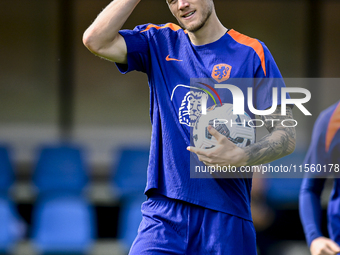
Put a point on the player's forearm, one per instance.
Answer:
(277, 144)
(106, 26)
(310, 208)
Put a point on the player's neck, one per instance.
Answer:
(210, 32)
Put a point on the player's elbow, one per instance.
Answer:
(288, 140)
(89, 41)
(291, 149)
(286, 145)
(94, 41)
(291, 145)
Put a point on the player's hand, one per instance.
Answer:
(324, 246)
(225, 152)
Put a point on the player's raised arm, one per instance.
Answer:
(102, 37)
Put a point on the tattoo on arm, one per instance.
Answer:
(278, 143)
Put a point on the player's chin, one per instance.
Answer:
(190, 26)
(193, 28)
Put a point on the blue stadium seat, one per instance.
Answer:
(61, 168)
(12, 228)
(63, 224)
(129, 177)
(6, 170)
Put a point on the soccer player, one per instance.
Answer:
(323, 154)
(186, 215)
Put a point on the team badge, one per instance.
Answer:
(221, 72)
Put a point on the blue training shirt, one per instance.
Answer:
(166, 54)
(324, 152)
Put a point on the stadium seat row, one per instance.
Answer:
(63, 220)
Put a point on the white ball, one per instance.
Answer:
(235, 127)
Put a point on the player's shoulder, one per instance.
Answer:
(329, 120)
(154, 28)
(246, 41)
(248, 46)
(330, 114)
(332, 109)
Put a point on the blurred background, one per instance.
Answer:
(73, 129)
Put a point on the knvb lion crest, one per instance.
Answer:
(221, 72)
(191, 107)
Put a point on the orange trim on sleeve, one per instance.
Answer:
(172, 26)
(333, 127)
(251, 42)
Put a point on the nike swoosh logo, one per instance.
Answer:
(172, 59)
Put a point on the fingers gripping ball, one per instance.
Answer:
(233, 126)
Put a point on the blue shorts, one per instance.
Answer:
(176, 227)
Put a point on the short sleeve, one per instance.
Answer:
(137, 43)
(267, 76)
